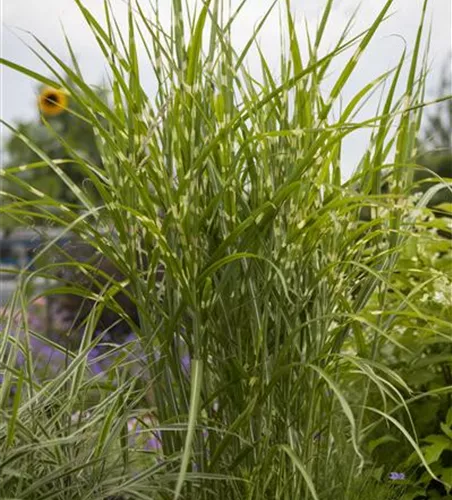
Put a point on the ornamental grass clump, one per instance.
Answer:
(242, 250)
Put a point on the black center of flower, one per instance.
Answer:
(52, 99)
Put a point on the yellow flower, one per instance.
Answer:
(52, 102)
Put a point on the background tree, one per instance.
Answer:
(59, 131)
(436, 147)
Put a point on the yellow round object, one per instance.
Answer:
(52, 102)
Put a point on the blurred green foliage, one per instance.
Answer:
(420, 351)
(420, 347)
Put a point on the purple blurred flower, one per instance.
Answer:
(46, 357)
(93, 354)
(185, 362)
(97, 368)
(153, 443)
(99, 359)
(396, 476)
(20, 358)
(141, 434)
(130, 338)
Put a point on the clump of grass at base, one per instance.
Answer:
(228, 184)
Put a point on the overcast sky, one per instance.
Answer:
(45, 18)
